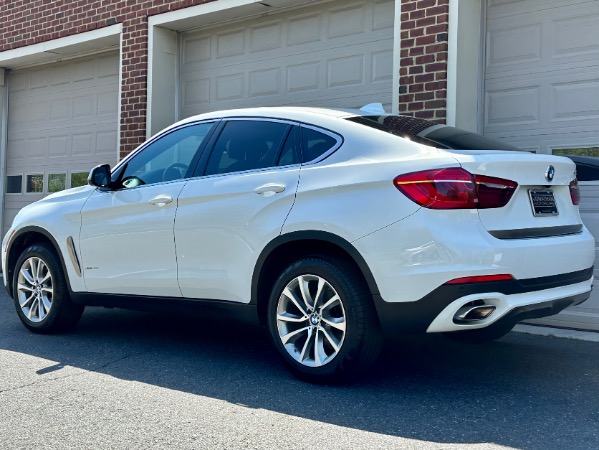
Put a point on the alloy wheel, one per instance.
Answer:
(311, 320)
(34, 289)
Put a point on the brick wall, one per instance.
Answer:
(423, 72)
(27, 22)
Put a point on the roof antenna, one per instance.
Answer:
(373, 108)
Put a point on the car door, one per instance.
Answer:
(126, 240)
(238, 203)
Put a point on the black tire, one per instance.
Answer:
(361, 343)
(62, 314)
(482, 335)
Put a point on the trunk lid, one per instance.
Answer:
(519, 218)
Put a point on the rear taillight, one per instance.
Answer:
(575, 192)
(455, 188)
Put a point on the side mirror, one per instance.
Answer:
(99, 176)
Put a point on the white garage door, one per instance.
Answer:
(334, 54)
(62, 120)
(542, 94)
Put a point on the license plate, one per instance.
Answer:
(543, 202)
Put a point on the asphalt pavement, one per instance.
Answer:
(131, 380)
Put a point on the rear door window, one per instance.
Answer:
(247, 145)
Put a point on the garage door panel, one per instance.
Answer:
(553, 103)
(575, 100)
(577, 35)
(272, 61)
(542, 94)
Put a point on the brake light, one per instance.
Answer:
(481, 279)
(575, 192)
(455, 188)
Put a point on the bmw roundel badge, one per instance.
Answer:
(550, 173)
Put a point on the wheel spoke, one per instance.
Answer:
(319, 291)
(338, 323)
(46, 277)
(40, 309)
(21, 287)
(334, 299)
(47, 290)
(319, 353)
(331, 340)
(32, 308)
(47, 303)
(286, 317)
(25, 303)
(304, 289)
(291, 296)
(285, 339)
(306, 345)
(28, 277)
(36, 269)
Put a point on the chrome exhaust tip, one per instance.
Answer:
(473, 311)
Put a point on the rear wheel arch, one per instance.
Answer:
(21, 241)
(287, 248)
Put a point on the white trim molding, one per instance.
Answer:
(464, 63)
(67, 47)
(396, 57)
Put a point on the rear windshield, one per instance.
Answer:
(431, 133)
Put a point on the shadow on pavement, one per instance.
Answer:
(523, 391)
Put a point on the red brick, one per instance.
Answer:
(423, 96)
(434, 104)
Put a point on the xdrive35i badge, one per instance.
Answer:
(550, 173)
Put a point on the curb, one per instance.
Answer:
(588, 336)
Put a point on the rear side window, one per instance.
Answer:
(315, 144)
(247, 145)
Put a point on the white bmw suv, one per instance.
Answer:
(331, 227)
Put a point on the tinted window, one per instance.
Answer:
(587, 168)
(247, 145)
(315, 143)
(431, 133)
(586, 172)
(167, 158)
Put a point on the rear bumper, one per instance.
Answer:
(515, 300)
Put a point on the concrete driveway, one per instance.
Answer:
(136, 380)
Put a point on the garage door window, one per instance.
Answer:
(14, 184)
(35, 183)
(78, 179)
(57, 182)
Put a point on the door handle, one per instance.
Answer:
(161, 200)
(269, 189)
